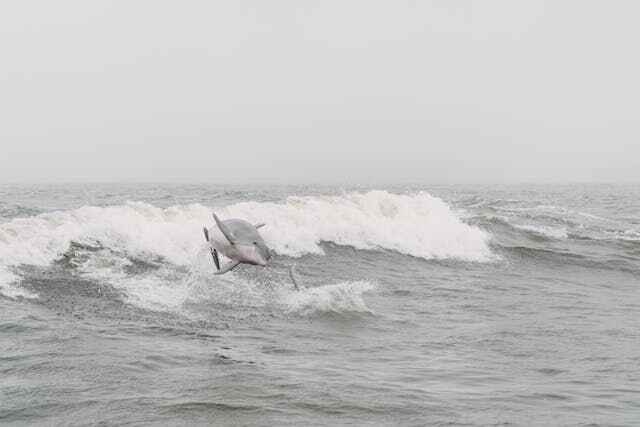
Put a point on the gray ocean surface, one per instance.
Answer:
(423, 305)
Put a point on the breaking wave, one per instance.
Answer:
(419, 225)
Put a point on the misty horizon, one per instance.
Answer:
(330, 93)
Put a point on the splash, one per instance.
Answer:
(10, 289)
(336, 298)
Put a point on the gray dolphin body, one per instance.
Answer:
(242, 244)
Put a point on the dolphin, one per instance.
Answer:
(242, 244)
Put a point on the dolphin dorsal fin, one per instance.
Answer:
(224, 229)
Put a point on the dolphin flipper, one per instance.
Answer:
(227, 268)
(224, 229)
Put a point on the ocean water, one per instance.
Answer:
(422, 305)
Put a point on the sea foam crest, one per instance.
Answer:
(419, 225)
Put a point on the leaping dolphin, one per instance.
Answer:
(242, 244)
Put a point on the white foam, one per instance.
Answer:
(336, 298)
(419, 225)
(169, 289)
(9, 286)
(135, 228)
(159, 289)
(246, 295)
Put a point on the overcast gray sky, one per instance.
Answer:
(320, 91)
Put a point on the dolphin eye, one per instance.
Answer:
(255, 243)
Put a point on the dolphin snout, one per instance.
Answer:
(251, 255)
(261, 259)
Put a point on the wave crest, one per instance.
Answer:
(419, 225)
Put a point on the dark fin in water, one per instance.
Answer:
(259, 225)
(293, 278)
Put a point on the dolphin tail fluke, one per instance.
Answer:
(214, 252)
(216, 260)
